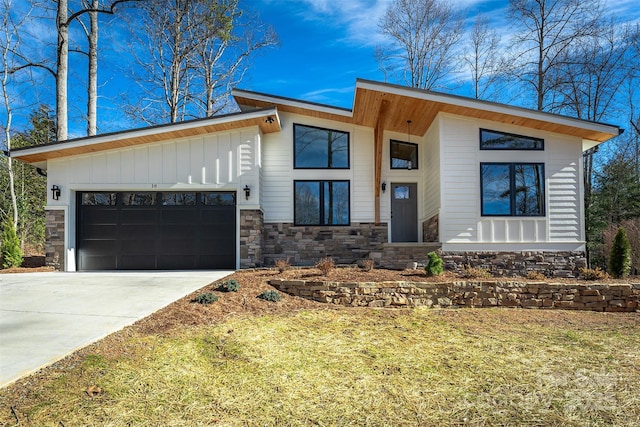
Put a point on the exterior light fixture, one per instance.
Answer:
(384, 186)
(247, 191)
(269, 120)
(55, 192)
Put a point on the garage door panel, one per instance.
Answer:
(100, 231)
(97, 262)
(199, 233)
(95, 215)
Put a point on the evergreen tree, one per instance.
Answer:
(11, 252)
(620, 259)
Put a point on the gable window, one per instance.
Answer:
(321, 203)
(318, 148)
(512, 189)
(404, 155)
(494, 140)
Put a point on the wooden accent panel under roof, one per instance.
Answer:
(284, 106)
(121, 140)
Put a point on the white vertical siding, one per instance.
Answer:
(179, 164)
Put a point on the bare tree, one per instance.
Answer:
(545, 31)
(220, 62)
(422, 36)
(12, 63)
(483, 57)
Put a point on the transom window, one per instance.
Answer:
(321, 203)
(512, 189)
(318, 148)
(404, 155)
(495, 140)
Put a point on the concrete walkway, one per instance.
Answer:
(46, 316)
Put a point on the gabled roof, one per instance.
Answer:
(267, 119)
(399, 104)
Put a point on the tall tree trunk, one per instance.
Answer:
(92, 95)
(62, 25)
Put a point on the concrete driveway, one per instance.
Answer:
(46, 316)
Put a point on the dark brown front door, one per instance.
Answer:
(404, 213)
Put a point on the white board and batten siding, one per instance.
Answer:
(223, 161)
(278, 172)
(461, 225)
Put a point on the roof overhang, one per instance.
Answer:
(266, 119)
(422, 107)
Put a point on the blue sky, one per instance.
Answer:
(324, 46)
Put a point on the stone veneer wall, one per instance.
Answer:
(251, 245)
(430, 229)
(593, 297)
(54, 239)
(551, 264)
(305, 245)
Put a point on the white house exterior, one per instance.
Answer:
(403, 172)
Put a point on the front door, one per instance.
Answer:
(404, 213)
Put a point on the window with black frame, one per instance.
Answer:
(404, 155)
(496, 140)
(318, 148)
(321, 203)
(512, 189)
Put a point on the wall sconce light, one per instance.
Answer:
(384, 186)
(55, 192)
(247, 191)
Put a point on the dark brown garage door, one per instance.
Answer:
(156, 231)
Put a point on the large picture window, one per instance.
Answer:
(318, 148)
(321, 203)
(494, 140)
(512, 189)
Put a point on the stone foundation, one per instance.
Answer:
(54, 243)
(430, 229)
(306, 245)
(593, 297)
(509, 264)
(251, 226)
(397, 256)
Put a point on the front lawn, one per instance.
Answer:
(348, 367)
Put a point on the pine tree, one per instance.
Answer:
(11, 252)
(620, 258)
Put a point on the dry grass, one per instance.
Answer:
(243, 361)
(355, 367)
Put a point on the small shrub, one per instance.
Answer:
(11, 252)
(282, 265)
(535, 275)
(620, 258)
(272, 296)
(593, 274)
(228, 286)
(476, 273)
(206, 298)
(325, 265)
(367, 264)
(434, 265)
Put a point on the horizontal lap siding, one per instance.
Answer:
(461, 219)
(459, 179)
(430, 163)
(278, 173)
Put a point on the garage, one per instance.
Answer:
(155, 230)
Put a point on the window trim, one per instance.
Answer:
(348, 134)
(512, 195)
(540, 140)
(391, 155)
(321, 203)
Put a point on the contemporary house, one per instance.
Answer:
(403, 172)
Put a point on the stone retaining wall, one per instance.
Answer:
(593, 297)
